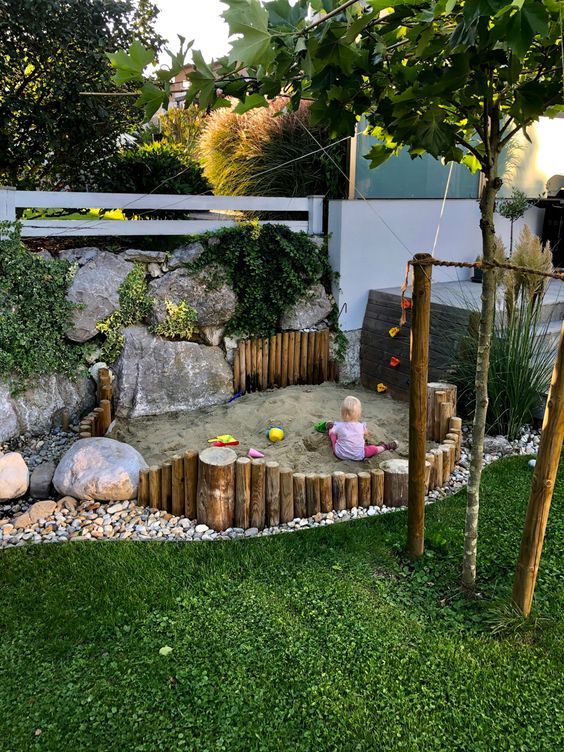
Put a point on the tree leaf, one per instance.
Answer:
(165, 650)
(151, 99)
(250, 19)
(378, 154)
(250, 102)
(523, 25)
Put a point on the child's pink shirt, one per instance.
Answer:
(350, 440)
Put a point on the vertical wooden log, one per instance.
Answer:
(260, 382)
(249, 366)
(216, 487)
(377, 490)
(65, 420)
(254, 384)
(437, 468)
(446, 464)
(439, 397)
(178, 485)
(316, 351)
(272, 362)
(451, 455)
(297, 356)
(279, 359)
(325, 493)
(445, 414)
(284, 364)
(364, 490)
(310, 356)
(542, 488)
(106, 406)
(291, 353)
(243, 492)
(313, 501)
(428, 468)
(258, 488)
(351, 490)
(396, 482)
(190, 484)
(455, 426)
(324, 356)
(155, 487)
(265, 362)
(419, 373)
(242, 367)
(272, 494)
(339, 497)
(143, 489)
(299, 489)
(166, 486)
(304, 344)
(286, 495)
(236, 372)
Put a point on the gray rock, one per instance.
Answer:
(155, 375)
(212, 335)
(214, 300)
(99, 468)
(45, 255)
(313, 308)
(35, 410)
(349, 368)
(497, 445)
(185, 254)
(154, 270)
(41, 479)
(79, 256)
(144, 257)
(95, 287)
(14, 476)
(251, 532)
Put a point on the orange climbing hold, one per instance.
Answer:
(394, 362)
(406, 303)
(394, 331)
(381, 388)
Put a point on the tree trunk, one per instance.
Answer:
(487, 208)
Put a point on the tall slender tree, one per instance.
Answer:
(456, 80)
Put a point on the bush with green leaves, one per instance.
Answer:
(269, 267)
(135, 306)
(179, 322)
(34, 314)
(157, 167)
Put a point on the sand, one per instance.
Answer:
(296, 409)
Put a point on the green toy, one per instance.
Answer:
(321, 426)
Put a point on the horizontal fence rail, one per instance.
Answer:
(210, 212)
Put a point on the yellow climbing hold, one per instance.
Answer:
(394, 331)
(381, 388)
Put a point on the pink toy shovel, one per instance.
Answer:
(254, 454)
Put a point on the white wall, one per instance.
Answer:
(368, 256)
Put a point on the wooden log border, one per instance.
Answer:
(284, 359)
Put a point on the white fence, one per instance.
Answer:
(211, 212)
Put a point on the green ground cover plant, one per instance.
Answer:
(321, 640)
(34, 314)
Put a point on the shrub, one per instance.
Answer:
(135, 306)
(156, 167)
(269, 267)
(34, 314)
(247, 154)
(179, 323)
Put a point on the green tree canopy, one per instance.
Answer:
(51, 51)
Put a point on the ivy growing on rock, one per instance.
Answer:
(269, 266)
(34, 314)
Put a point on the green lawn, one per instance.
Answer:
(321, 640)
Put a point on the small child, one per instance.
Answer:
(347, 437)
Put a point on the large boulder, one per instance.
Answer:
(41, 479)
(95, 288)
(99, 469)
(206, 291)
(308, 312)
(35, 410)
(14, 476)
(155, 375)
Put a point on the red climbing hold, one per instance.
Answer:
(394, 362)
(406, 303)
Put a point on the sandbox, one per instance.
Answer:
(296, 409)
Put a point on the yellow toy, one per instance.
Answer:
(275, 434)
(394, 331)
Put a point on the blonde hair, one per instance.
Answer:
(351, 409)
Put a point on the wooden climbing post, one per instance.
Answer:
(420, 322)
(542, 488)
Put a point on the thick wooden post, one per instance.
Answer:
(178, 485)
(258, 487)
(542, 488)
(272, 494)
(286, 495)
(242, 492)
(339, 496)
(420, 322)
(299, 488)
(216, 487)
